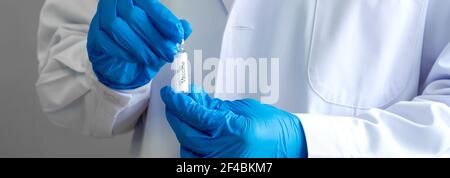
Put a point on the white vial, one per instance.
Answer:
(180, 80)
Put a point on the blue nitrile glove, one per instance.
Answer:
(130, 40)
(212, 128)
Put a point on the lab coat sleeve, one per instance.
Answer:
(417, 128)
(69, 91)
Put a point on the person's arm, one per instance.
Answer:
(69, 91)
(417, 128)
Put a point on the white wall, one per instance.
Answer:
(24, 131)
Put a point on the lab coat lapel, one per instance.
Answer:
(228, 4)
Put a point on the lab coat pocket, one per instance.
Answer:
(364, 53)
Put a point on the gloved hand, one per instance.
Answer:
(207, 127)
(130, 40)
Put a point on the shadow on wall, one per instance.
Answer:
(24, 130)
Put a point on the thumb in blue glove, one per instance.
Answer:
(209, 127)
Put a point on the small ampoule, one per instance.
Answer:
(180, 80)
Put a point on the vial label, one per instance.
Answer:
(180, 81)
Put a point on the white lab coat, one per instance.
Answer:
(367, 78)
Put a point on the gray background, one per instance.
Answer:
(24, 130)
